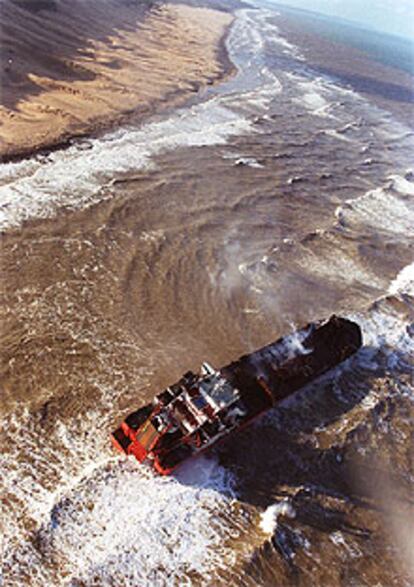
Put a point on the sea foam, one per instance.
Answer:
(389, 207)
(76, 179)
(269, 517)
(404, 282)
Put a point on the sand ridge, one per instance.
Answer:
(60, 79)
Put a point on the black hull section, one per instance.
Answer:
(288, 364)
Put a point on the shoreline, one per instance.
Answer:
(178, 99)
(187, 88)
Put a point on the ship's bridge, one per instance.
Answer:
(202, 400)
(217, 392)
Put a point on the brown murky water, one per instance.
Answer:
(280, 198)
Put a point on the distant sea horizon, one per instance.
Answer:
(387, 48)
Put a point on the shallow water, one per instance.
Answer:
(277, 198)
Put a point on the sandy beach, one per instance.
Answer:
(74, 67)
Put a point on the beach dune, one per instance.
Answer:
(70, 68)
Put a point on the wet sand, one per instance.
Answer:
(76, 67)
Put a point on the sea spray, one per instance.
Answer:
(269, 518)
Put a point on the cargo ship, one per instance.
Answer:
(204, 408)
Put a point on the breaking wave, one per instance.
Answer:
(390, 208)
(108, 521)
(404, 282)
(141, 529)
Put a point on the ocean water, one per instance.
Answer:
(386, 48)
(279, 197)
